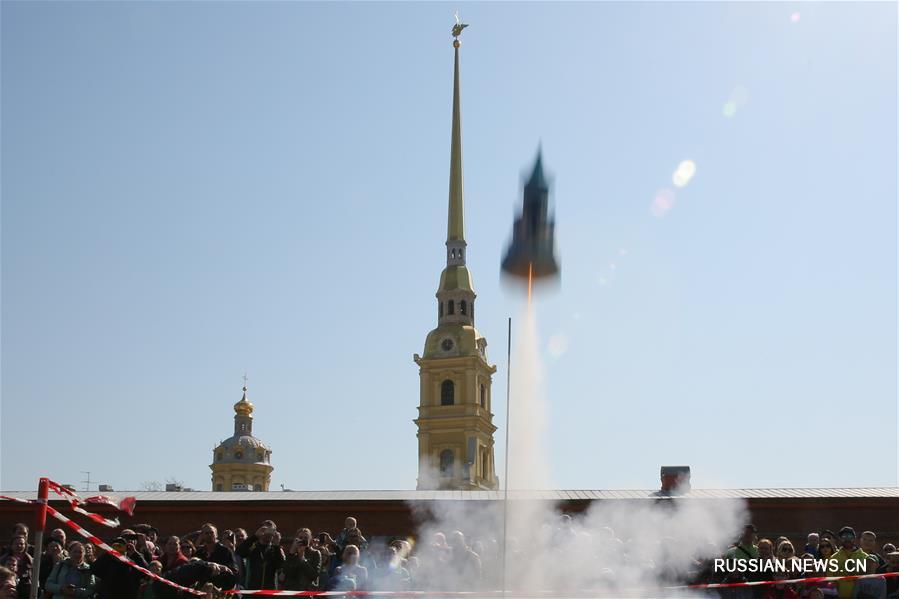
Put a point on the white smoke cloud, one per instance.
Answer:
(633, 548)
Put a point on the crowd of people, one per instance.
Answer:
(212, 561)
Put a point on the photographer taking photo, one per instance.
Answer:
(303, 564)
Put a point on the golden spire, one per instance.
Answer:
(456, 228)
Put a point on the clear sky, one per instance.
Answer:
(191, 191)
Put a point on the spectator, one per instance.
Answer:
(172, 557)
(52, 555)
(848, 551)
(303, 563)
(868, 544)
(263, 556)
(60, 535)
(195, 574)
(187, 548)
(826, 549)
(90, 553)
(892, 581)
(72, 576)
(348, 525)
(870, 588)
(18, 559)
(349, 575)
(811, 544)
(211, 550)
(8, 584)
(464, 562)
(118, 580)
(228, 540)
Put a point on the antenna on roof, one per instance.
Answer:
(87, 483)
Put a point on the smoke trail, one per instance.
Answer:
(612, 547)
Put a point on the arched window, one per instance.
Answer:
(219, 487)
(218, 457)
(447, 393)
(483, 396)
(484, 464)
(451, 307)
(440, 309)
(463, 307)
(472, 310)
(446, 463)
(238, 455)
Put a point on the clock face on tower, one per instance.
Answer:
(447, 344)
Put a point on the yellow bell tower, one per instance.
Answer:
(455, 424)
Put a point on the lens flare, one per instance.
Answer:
(557, 345)
(795, 17)
(730, 109)
(662, 203)
(683, 174)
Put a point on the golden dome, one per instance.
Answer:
(244, 407)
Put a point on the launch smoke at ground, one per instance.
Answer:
(610, 547)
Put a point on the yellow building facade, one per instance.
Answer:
(242, 462)
(455, 422)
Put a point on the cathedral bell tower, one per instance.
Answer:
(455, 423)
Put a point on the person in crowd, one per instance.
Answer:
(59, 535)
(811, 543)
(194, 574)
(139, 540)
(172, 557)
(19, 529)
(354, 537)
(151, 538)
(786, 553)
(893, 581)
(868, 544)
(90, 553)
(870, 588)
(18, 559)
(826, 549)
(302, 566)
(71, 577)
(116, 579)
(228, 540)
(348, 525)
(263, 556)
(240, 535)
(464, 562)
(8, 584)
(52, 555)
(349, 575)
(209, 548)
(188, 548)
(848, 551)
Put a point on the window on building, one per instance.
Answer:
(447, 393)
(219, 456)
(238, 455)
(463, 307)
(219, 487)
(446, 463)
(450, 307)
(485, 473)
(243, 427)
(483, 396)
(440, 309)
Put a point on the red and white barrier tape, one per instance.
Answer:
(99, 543)
(125, 505)
(122, 558)
(567, 593)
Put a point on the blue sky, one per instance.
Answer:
(191, 191)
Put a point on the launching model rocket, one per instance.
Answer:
(532, 251)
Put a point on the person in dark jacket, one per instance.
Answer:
(303, 564)
(118, 580)
(194, 574)
(263, 556)
(209, 549)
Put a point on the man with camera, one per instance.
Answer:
(264, 557)
(303, 564)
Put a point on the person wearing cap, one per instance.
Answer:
(848, 551)
(118, 580)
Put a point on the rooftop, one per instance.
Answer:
(552, 495)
